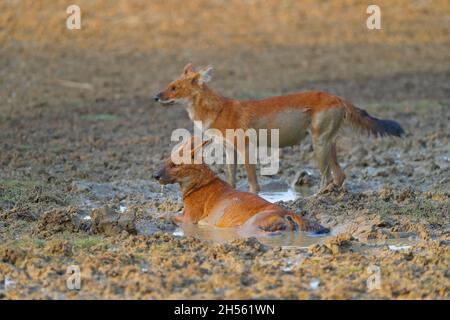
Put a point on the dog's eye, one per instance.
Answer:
(173, 165)
(173, 89)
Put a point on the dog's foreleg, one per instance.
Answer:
(231, 174)
(251, 172)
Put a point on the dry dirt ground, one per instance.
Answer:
(80, 138)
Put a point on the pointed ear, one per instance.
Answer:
(205, 75)
(197, 144)
(206, 142)
(189, 68)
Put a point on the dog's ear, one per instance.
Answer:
(205, 75)
(189, 68)
(202, 76)
(197, 144)
(206, 142)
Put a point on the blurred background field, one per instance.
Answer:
(129, 48)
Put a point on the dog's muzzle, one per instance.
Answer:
(157, 97)
(156, 176)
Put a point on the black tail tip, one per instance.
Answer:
(316, 228)
(391, 128)
(322, 230)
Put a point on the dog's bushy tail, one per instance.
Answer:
(377, 127)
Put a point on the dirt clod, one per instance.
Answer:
(107, 221)
(56, 221)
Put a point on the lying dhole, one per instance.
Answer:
(208, 199)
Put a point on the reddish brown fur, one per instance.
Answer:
(210, 200)
(292, 114)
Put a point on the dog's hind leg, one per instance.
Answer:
(336, 170)
(325, 126)
(323, 153)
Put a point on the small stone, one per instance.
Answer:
(303, 178)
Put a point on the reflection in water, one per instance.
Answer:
(274, 196)
(314, 284)
(220, 235)
(394, 247)
(286, 195)
(178, 232)
(279, 190)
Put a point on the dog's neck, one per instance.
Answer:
(199, 181)
(197, 192)
(205, 106)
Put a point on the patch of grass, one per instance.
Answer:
(100, 117)
(25, 147)
(26, 243)
(138, 256)
(14, 193)
(353, 269)
(88, 242)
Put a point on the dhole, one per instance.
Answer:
(292, 114)
(210, 200)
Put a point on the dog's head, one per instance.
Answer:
(180, 167)
(183, 89)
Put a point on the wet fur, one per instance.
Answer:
(209, 200)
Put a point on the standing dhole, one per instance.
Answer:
(209, 200)
(292, 114)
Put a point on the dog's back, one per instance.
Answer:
(253, 214)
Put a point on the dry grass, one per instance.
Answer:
(132, 48)
(206, 24)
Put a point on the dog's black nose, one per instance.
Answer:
(157, 97)
(156, 176)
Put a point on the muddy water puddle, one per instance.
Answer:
(290, 240)
(275, 196)
(289, 194)
(279, 190)
(221, 235)
(143, 195)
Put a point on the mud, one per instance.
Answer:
(80, 139)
